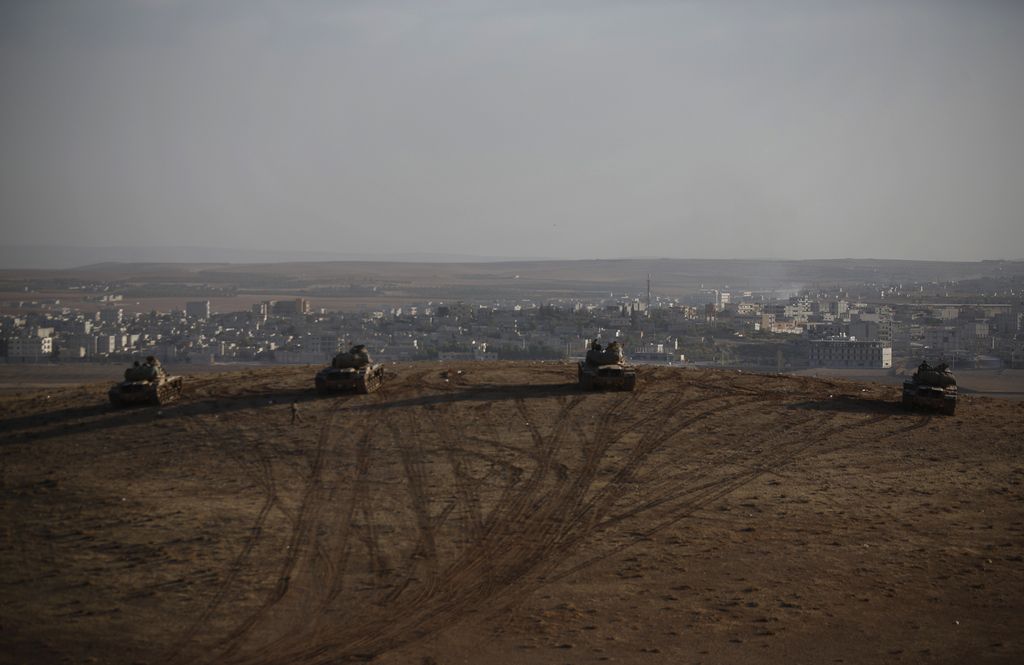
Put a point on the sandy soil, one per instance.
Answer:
(22, 378)
(1005, 383)
(502, 516)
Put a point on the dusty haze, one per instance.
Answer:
(698, 129)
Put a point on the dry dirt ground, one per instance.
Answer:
(501, 516)
(21, 378)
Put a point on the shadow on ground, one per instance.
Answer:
(100, 417)
(103, 416)
(851, 404)
(488, 392)
(53, 417)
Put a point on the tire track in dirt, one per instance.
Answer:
(410, 451)
(451, 435)
(266, 479)
(302, 536)
(337, 535)
(526, 533)
(737, 459)
(537, 520)
(695, 495)
(411, 456)
(521, 535)
(511, 553)
(406, 439)
(463, 582)
(415, 475)
(698, 496)
(512, 515)
(657, 432)
(465, 485)
(427, 414)
(504, 526)
(330, 584)
(580, 524)
(784, 452)
(237, 445)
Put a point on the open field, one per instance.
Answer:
(504, 517)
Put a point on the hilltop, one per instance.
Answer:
(501, 516)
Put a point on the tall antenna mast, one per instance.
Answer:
(648, 295)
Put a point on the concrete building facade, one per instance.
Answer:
(847, 353)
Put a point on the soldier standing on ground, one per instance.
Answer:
(296, 417)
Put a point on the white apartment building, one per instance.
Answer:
(327, 345)
(945, 313)
(113, 315)
(106, 344)
(29, 348)
(975, 336)
(77, 346)
(748, 308)
(941, 341)
(198, 309)
(867, 330)
(799, 311)
(655, 353)
(848, 353)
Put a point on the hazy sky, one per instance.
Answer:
(565, 129)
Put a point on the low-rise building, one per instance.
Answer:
(199, 309)
(28, 348)
(849, 353)
(941, 341)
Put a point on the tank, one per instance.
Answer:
(350, 371)
(606, 369)
(147, 383)
(931, 388)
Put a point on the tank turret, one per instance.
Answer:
(145, 383)
(605, 368)
(354, 358)
(351, 370)
(931, 388)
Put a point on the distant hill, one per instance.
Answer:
(64, 256)
(193, 259)
(403, 281)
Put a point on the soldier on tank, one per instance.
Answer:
(355, 357)
(360, 355)
(351, 370)
(605, 368)
(145, 382)
(157, 369)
